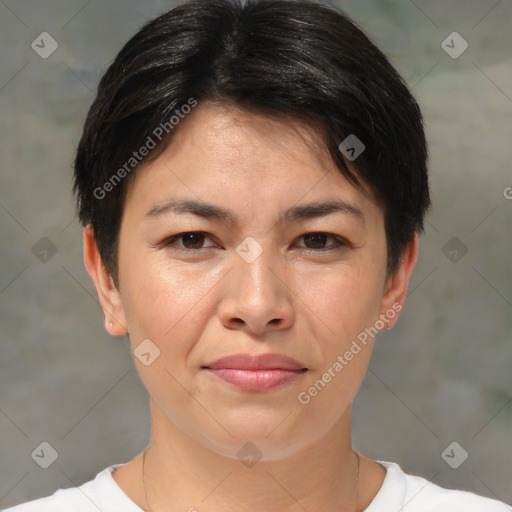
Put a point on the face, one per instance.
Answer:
(268, 274)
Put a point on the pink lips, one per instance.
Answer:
(256, 373)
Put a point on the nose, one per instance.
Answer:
(257, 297)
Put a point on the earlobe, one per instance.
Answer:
(108, 295)
(397, 285)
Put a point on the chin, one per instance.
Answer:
(258, 440)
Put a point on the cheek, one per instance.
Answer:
(344, 301)
(164, 302)
(345, 307)
(167, 305)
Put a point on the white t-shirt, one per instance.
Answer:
(399, 493)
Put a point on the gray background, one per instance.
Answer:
(441, 375)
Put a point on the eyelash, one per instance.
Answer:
(339, 242)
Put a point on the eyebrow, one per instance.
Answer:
(292, 214)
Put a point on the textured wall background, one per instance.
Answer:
(441, 375)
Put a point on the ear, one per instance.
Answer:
(109, 296)
(397, 284)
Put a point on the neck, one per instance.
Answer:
(182, 474)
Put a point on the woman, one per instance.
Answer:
(252, 182)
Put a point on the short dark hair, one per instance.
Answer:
(296, 59)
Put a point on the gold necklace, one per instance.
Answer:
(151, 510)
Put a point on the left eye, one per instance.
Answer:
(319, 239)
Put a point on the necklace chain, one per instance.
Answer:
(151, 510)
(144, 479)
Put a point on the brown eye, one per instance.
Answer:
(317, 241)
(191, 241)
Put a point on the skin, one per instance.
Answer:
(294, 299)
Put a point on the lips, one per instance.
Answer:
(256, 373)
(256, 362)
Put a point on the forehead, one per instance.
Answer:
(235, 138)
(231, 156)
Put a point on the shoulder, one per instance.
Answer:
(58, 502)
(420, 495)
(101, 493)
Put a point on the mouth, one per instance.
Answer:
(256, 373)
